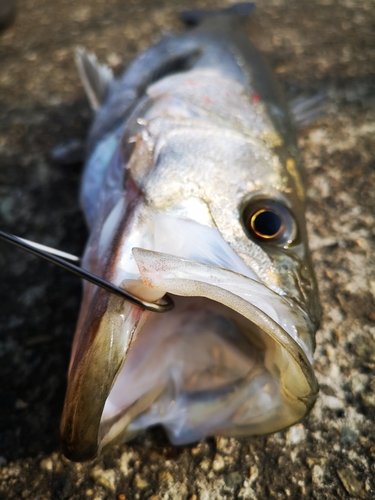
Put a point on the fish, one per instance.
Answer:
(193, 187)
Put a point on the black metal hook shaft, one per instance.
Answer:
(82, 273)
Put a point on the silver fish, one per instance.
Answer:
(193, 187)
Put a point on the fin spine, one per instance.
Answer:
(96, 78)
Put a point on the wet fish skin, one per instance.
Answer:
(180, 156)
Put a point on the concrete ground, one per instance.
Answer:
(320, 45)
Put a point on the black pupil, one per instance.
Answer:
(267, 223)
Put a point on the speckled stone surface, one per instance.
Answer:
(320, 45)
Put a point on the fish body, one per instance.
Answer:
(192, 186)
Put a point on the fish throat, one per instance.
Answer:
(208, 363)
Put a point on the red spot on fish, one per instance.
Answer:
(206, 100)
(255, 97)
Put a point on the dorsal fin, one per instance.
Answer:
(95, 77)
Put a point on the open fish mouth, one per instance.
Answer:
(224, 356)
(233, 357)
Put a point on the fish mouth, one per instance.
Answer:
(251, 375)
(232, 358)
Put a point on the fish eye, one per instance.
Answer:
(269, 221)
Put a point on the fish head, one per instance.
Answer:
(214, 217)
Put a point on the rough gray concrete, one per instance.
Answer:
(316, 45)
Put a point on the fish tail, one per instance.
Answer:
(196, 17)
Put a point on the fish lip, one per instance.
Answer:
(165, 263)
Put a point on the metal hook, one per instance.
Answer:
(60, 258)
